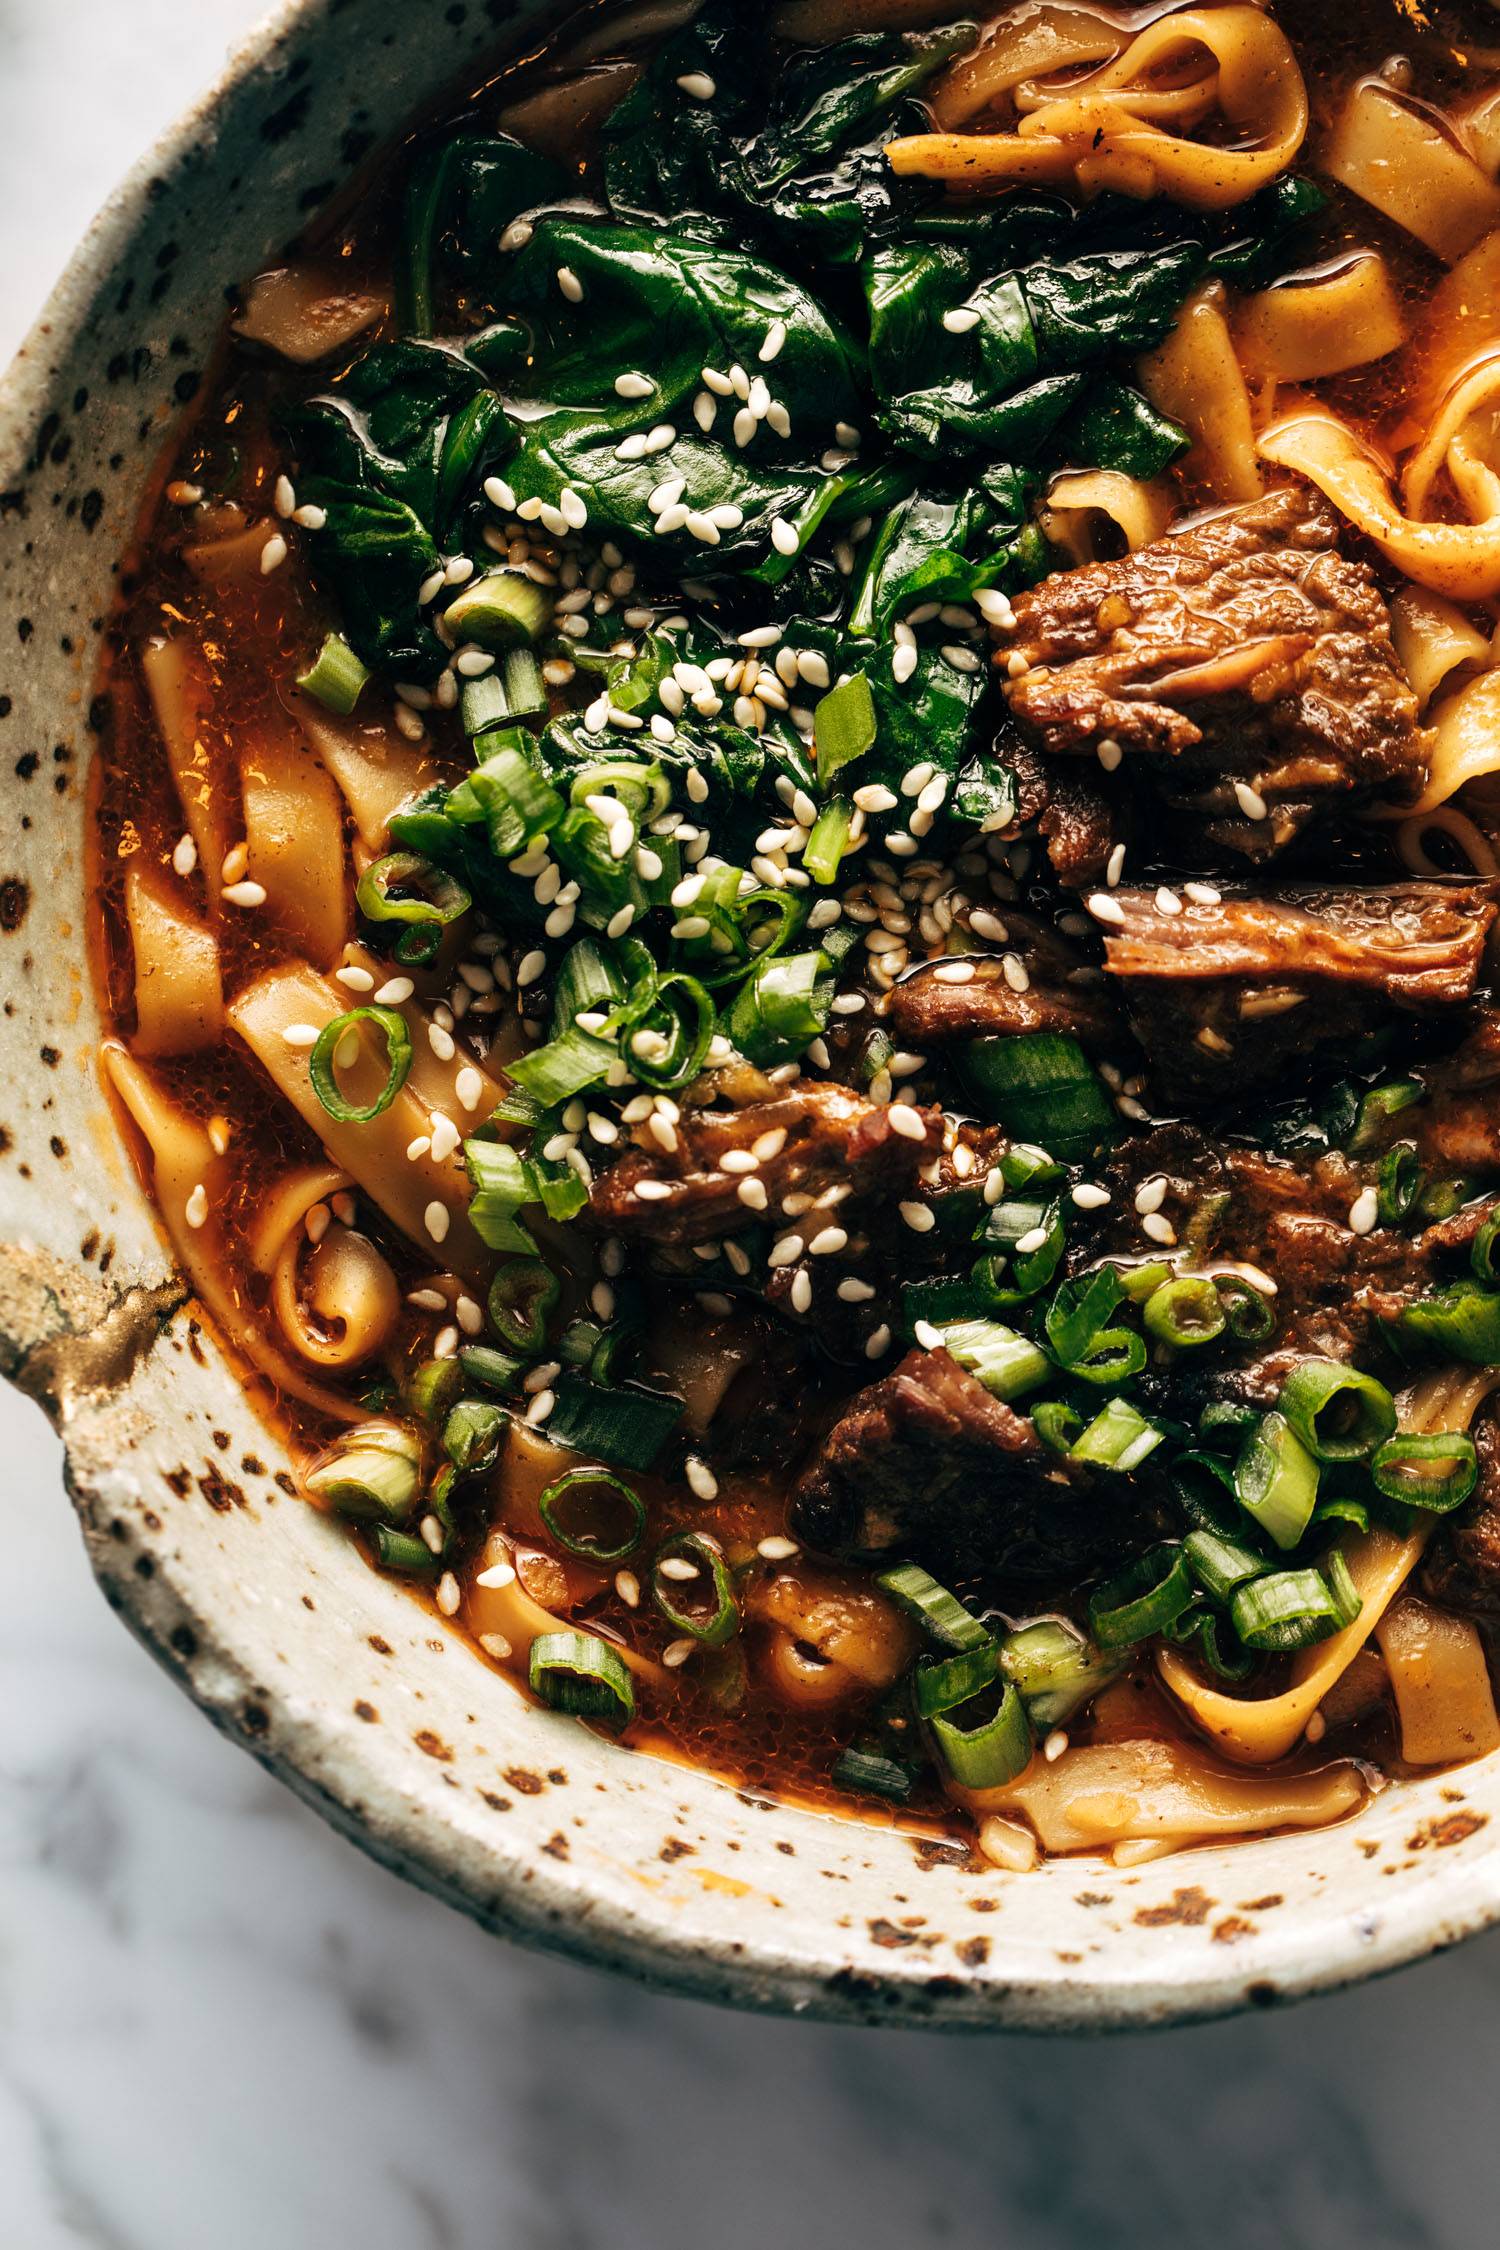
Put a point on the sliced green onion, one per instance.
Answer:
(1289, 1609)
(990, 1750)
(1276, 1479)
(1055, 1670)
(566, 1066)
(942, 1682)
(669, 1043)
(579, 1673)
(1439, 1199)
(1143, 1599)
(1185, 1312)
(1057, 1424)
(1219, 1565)
(704, 1605)
(1338, 1413)
(626, 1426)
(1205, 1488)
(1249, 1311)
(1024, 1165)
(335, 676)
(320, 1062)
(1436, 1470)
(592, 1513)
(1006, 1227)
(1042, 1088)
(1118, 1438)
(871, 1775)
(1224, 1422)
(369, 1474)
(432, 1387)
(502, 1184)
(515, 803)
(1376, 1108)
(493, 1370)
(499, 610)
(472, 1434)
(483, 705)
(940, 1614)
(843, 725)
(1461, 1321)
(1340, 1508)
(829, 840)
(439, 899)
(402, 1553)
(1077, 1315)
(1397, 1183)
(780, 1008)
(522, 1298)
(1347, 1599)
(1006, 1363)
(1202, 1627)
(525, 689)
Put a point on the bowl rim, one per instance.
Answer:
(323, 1759)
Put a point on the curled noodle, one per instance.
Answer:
(1112, 129)
(1076, 501)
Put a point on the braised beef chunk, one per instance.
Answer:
(1224, 995)
(926, 1464)
(1244, 649)
(1457, 1130)
(814, 1137)
(1462, 1565)
(1079, 819)
(1041, 983)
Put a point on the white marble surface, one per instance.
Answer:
(219, 2025)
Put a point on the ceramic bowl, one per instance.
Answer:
(261, 1609)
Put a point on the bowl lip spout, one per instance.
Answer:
(1146, 1948)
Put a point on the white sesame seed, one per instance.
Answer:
(631, 385)
(697, 85)
(1088, 1197)
(1015, 972)
(1159, 1229)
(1364, 1211)
(195, 1210)
(531, 967)
(828, 1242)
(1251, 803)
(1151, 1195)
(786, 1252)
(184, 856)
(394, 991)
(448, 1596)
(878, 1341)
(499, 1574)
(775, 338)
(1115, 866)
(918, 1217)
(677, 1653)
(1035, 1238)
(301, 1035)
(930, 1338)
(1109, 753)
(517, 234)
(1106, 909)
(273, 554)
(994, 607)
(961, 319)
(1167, 901)
(906, 1121)
(444, 1138)
(954, 972)
(445, 1342)
(570, 285)
(499, 494)
(652, 1191)
(752, 1193)
(469, 1315)
(244, 894)
(436, 1219)
(540, 1407)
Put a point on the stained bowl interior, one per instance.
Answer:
(337, 1681)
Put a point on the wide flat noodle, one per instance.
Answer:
(294, 833)
(179, 990)
(1459, 560)
(1103, 133)
(1138, 509)
(1109, 1793)
(176, 676)
(375, 768)
(1441, 1682)
(1195, 378)
(1403, 163)
(1309, 327)
(183, 1163)
(1465, 741)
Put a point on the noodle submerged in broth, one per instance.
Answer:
(795, 873)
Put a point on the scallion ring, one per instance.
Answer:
(1434, 1469)
(1397, 1183)
(594, 1514)
(1249, 1311)
(1482, 1254)
(579, 1673)
(320, 1062)
(1143, 1599)
(993, 1750)
(1288, 1609)
(1185, 1312)
(436, 896)
(1338, 1413)
(941, 1615)
(942, 1682)
(522, 1296)
(702, 1605)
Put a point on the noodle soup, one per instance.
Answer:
(795, 869)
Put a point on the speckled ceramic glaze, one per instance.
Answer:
(329, 1674)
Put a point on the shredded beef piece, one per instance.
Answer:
(1244, 647)
(926, 1464)
(832, 1138)
(1458, 1128)
(1078, 821)
(1063, 991)
(1223, 997)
